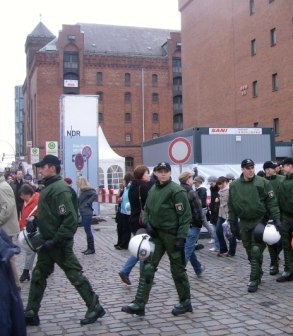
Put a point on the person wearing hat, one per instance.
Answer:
(250, 197)
(57, 223)
(285, 197)
(270, 171)
(167, 216)
(186, 182)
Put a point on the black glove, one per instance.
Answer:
(49, 245)
(235, 228)
(277, 224)
(31, 224)
(179, 244)
(151, 230)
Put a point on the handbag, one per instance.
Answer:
(141, 214)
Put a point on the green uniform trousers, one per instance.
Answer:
(64, 257)
(286, 234)
(253, 250)
(165, 242)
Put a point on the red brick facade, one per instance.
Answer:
(219, 70)
(44, 86)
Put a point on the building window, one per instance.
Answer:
(273, 37)
(101, 117)
(275, 84)
(276, 126)
(127, 79)
(99, 78)
(253, 47)
(100, 96)
(127, 98)
(255, 124)
(155, 98)
(128, 138)
(155, 135)
(155, 117)
(254, 89)
(251, 7)
(101, 178)
(127, 117)
(270, 1)
(129, 164)
(178, 122)
(70, 61)
(154, 80)
(176, 63)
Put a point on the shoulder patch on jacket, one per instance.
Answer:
(271, 194)
(179, 207)
(62, 209)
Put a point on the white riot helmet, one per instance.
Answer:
(30, 241)
(271, 235)
(141, 247)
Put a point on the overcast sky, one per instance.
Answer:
(19, 18)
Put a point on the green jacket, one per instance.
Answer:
(167, 208)
(252, 200)
(57, 213)
(275, 181)
(285, 197)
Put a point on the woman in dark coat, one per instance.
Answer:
(86, 198)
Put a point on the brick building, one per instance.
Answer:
(135, 71)
(237, 64)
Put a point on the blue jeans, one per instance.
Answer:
(128, 266)
(191, 240)
(222, 241)
(86, 222)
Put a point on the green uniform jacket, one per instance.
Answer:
(57, 215)
(252, 200)
(167, 208)
(285, 197)
(275, 181)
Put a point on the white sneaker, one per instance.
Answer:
(212, 241)
(213, 249)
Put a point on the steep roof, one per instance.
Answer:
(120, 40)
(41, 31)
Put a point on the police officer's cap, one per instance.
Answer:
(247, 163)
(269, 164)
(48, 159)
(163, 165)
(288, 161)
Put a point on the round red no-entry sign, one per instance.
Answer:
(179, 150)
(87, 151)
(79, 162)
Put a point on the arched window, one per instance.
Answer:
(114, 177)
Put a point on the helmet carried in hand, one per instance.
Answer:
(271, 235)
(141, 247)
(30, 241)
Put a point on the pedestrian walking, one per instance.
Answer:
(285, 198)
(168, 217)
(250, 197)
(87, 195)
(223, 184)
(57, 223)
(270, 170)
(186, 182)
(16, 185)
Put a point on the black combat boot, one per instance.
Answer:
(94, 312)
(90, 247)
(25, 276)
(31, 318)
(182, 308)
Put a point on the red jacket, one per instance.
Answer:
(27, 209)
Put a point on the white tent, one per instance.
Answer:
(109, 161)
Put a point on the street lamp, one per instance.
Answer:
(9, 155)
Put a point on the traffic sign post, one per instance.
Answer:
(87, 152)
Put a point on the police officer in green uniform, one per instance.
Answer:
(168, 218)
(251, 197)
(57, 223)
(285, 197)
(275, 179)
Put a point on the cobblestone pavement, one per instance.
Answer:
(221, 303)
